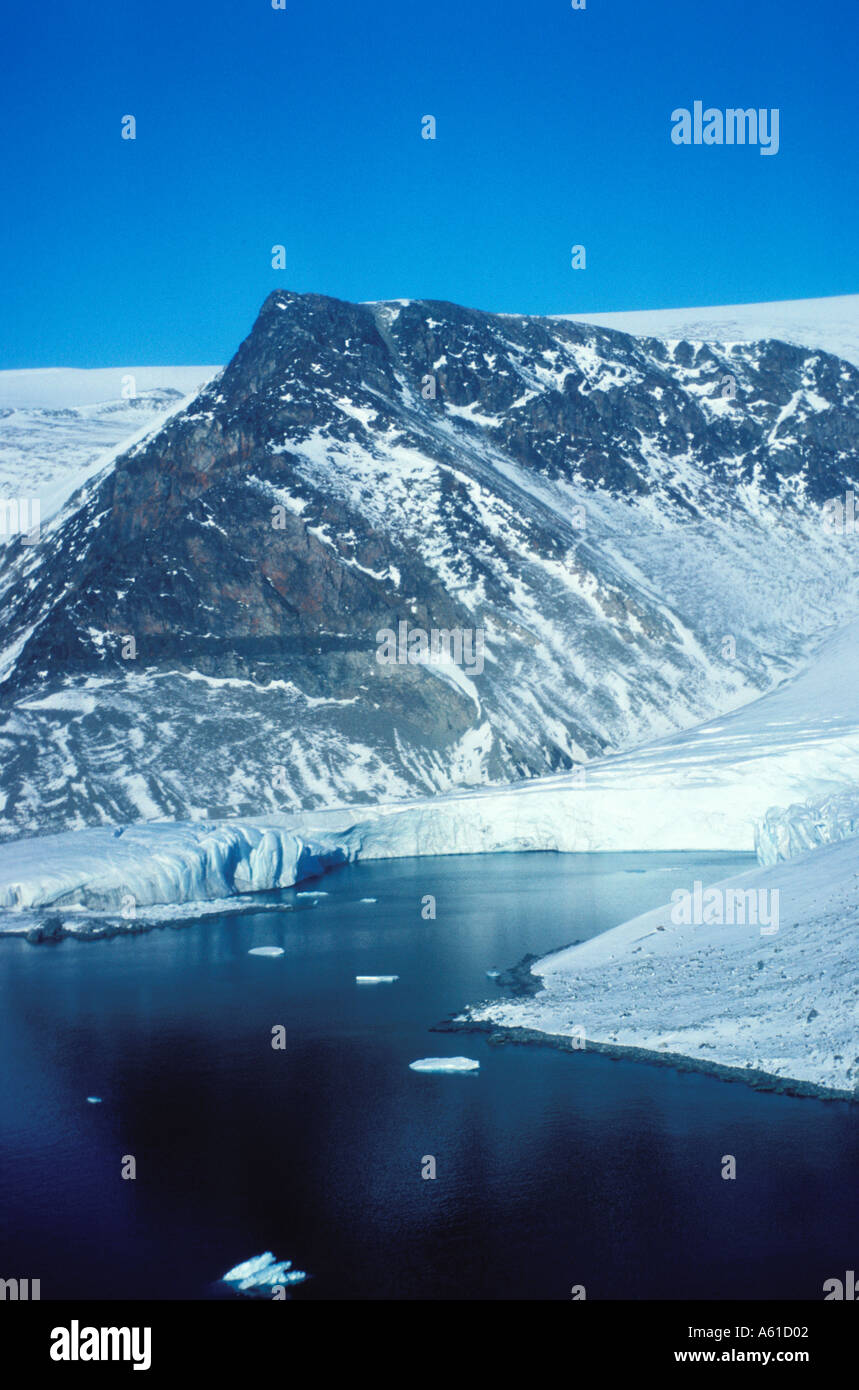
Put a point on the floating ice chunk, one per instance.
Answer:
(266, 951)
(262, 1273)
(445, 1064)
(311, 895)
(493, 974)
(270, 1275)
(249, 1267)
(375, 979)
(369, 900)
(93, 1100)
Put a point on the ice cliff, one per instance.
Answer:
(787, 831)
(157, 863)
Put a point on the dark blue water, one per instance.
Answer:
(553, 1169)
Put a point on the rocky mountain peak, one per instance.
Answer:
(607, 511)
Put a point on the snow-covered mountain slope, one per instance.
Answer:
(704, 789)
(726, 995)
(636, 528)
(59, 425)
(830, 324)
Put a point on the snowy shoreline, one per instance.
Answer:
(499, 1036)
(779, 1010)
(777, 1007)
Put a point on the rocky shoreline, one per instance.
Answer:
(52, 929)
(499, 1036)
(519, 981)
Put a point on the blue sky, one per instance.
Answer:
(301, 127)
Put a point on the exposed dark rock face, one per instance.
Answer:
(607, 509)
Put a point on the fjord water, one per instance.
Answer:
(554, 1169)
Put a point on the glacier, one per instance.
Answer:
(830, 323)
(157, 863)
(787, 831)
(716, 786)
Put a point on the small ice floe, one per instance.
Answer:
(445, 1064)
(268, 1277)
(93, 1100)
(369, 900)
(266, 951)
(375, 979)
(311, 895)
(249, 1267)
(493, 974)
(262, 1273)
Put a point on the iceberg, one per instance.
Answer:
(249, 1267)
(270, 1275)
(452, 1064)
(262, 1273)
(368, 900)
(93, 1100)
(375, 979)
(266, 951)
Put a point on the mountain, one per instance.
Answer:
(636, 527)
